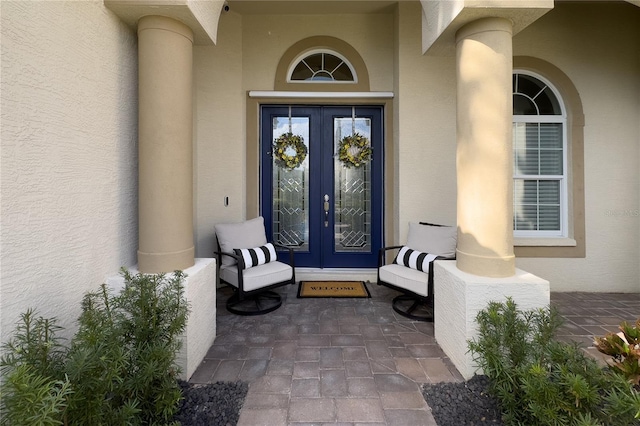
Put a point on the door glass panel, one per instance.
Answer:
(291, 189)
(352, 192)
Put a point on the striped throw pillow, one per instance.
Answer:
(257, 256)
(414, 259)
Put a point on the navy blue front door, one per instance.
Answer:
(327, 206)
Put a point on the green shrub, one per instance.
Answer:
(98, 364)
(119, 369)
(540, 381)
(34, 388)
(29, 398)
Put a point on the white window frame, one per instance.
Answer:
(308, 53)
(564, 198)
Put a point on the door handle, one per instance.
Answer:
(326, 210)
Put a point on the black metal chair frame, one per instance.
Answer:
(259, 301)
(416, 302)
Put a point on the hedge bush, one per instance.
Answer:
(541, 381)
(120, 367)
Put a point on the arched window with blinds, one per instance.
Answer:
(539, 158)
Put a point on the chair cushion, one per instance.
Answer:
(242, 235)
(414, 259)
(257, 256)
(438, 240)
(259, 276)
(407, 278)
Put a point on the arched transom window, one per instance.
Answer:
(321, 66)
(539, 158)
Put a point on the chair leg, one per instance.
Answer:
(413, 308)
(263, 303)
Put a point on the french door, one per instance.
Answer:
(327, 206)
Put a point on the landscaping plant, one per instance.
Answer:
(119, 369)
(624, 347)
(540, 381)
(34, 389)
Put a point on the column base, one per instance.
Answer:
(459, 297)
(494, 267)
(157, 263)
(200, 291)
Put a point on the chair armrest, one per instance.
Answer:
(290, 250)
(383, 252)
(237, 258)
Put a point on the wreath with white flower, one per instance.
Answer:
(354, 151)
(289, 151)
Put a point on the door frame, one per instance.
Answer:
(322, 250)
(254, 101)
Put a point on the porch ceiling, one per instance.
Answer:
(309, 7)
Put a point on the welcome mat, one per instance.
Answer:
(333, 289)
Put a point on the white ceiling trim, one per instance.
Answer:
(318, 95)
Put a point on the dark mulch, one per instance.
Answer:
(452, 404)
(215, 404)
(462, 404)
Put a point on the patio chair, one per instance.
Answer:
(411, 271)
(248, 263)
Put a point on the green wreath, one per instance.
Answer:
(354, 151)
(289, 151)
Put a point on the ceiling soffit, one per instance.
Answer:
(201, 16)
(441, 19)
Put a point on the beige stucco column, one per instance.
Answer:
(165, 200)
(484, 154)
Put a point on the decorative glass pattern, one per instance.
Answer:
(291, 190)
(532, 96)
(352, 192)
(322, 66)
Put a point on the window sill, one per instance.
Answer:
(544, 242)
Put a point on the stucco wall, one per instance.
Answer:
(424, 108)
(69, 174)
(219, 133)
(245, 58)
(266, 38)
(426, 129)
(597, 47)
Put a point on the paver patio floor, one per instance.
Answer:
(355, 361)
